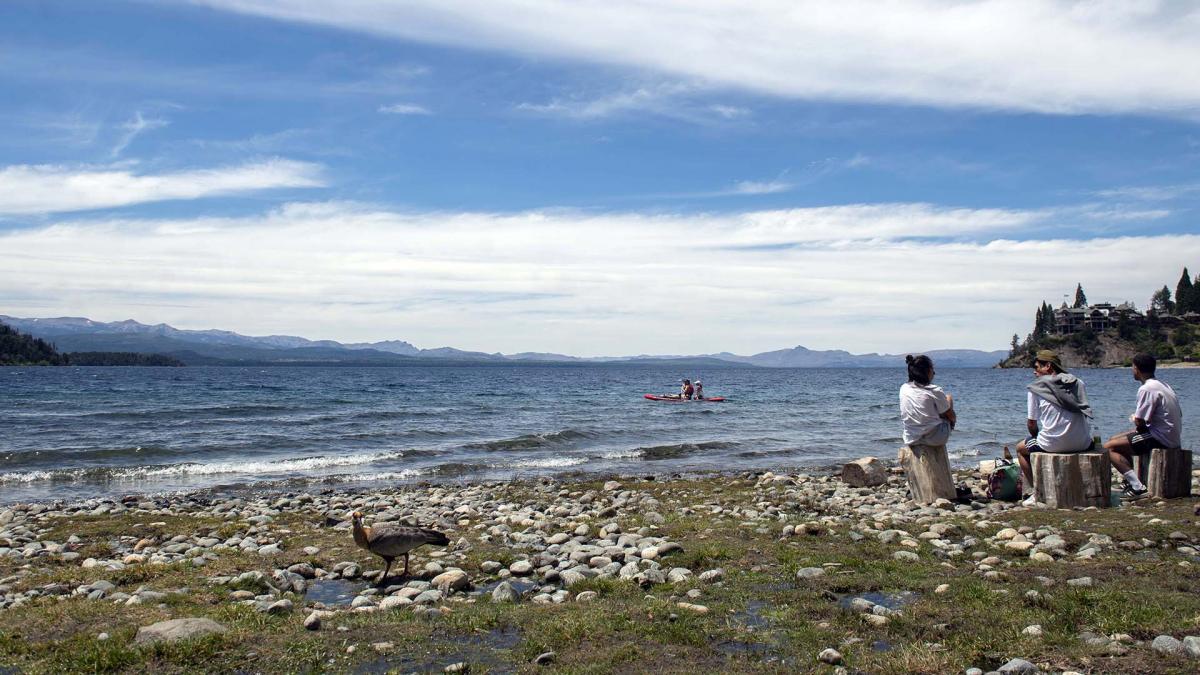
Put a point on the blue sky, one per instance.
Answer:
(596, 178)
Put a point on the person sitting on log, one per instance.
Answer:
(1058, 415)
(1157, 421)
(926, 412)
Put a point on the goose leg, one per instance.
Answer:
(386, 569)
(405, 565)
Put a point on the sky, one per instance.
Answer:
(597, 177)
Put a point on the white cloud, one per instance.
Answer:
(404, 109)
(46, 188)
(1057, 56)
(1151, 193)
(750, 187)
(134, 128)
(848, 276)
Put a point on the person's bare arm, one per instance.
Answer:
(950, 416)
(1032, 426)
(1141, 425)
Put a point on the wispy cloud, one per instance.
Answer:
(673, 100)
(585, 282)
(404, 109)
(134, 128)
(749, 187)
(1151, 193)
(1037, 55)
(34, 189)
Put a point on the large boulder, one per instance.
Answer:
(865, 472)
(177, 629)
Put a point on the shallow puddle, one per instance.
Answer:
(333, 592)
(480, 651)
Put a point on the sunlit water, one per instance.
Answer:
(80, 432)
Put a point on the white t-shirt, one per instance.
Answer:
(1158, 405)
(921, 407)
(1059, 430)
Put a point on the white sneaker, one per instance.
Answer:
(1029, 501)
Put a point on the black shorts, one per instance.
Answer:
(1031, 446)
(1142, 444)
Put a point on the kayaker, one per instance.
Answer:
(686, 391)
(699, 390)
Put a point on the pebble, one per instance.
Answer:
(1033, 631)
(831, 656)
(313, 622)
(545, 658)
(1080, 582)
(810, 572)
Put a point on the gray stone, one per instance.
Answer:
(545, 658)
(831, 656)
(177, 629)
(1080, 582)
(1192, 644)
(1165, 644)
(1019, 666)
(521, 568)
(504, 592)
(810, 572)
(906, 556)
(313, 622)
(280, 607)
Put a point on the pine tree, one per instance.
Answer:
(1016, 345)
(1185, 294)
(1080, 298)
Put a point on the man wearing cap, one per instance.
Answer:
(1058, 415)
(1157, 421)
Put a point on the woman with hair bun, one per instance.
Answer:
(926, 412)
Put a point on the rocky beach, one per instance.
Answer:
(769, 572)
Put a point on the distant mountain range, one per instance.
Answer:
(220, 347)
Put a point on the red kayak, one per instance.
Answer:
(677, 399)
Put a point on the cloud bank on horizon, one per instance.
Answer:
(597, 178)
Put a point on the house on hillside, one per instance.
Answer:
(1098, 318)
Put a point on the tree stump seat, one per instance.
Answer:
(1166, 473)
(927, 469)
(1065, 481)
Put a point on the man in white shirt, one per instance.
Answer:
(1057, 415)
(1157, 421)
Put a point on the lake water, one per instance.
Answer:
(70, 433)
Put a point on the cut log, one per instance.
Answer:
(865, 472)
(927, 468)
(1071, 480)
(1167, 473)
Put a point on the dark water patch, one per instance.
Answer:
(752, 617)
(529, 441)
(889, 439)
(333, 592)
(881, 646)
(481, 651)
(660, 452)
(766, 453)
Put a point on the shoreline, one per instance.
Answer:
(731, 571)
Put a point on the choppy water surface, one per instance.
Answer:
(78, 432)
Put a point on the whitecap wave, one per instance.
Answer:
(285, 466)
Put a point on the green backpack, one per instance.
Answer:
(1005, 482)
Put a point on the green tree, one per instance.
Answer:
(1016, 345)
(1160, 302)
(1184, 336)
(1185, 294)
(1080, 298)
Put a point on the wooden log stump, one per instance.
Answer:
(865, 472)
(927, 468)
(1166, 473)
(1069, 480)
